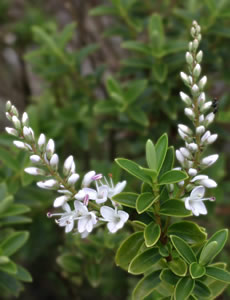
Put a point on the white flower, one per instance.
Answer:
(192, 172)
(50, 147)
(189, 113)
(48, 184)
(100, 195)
(185, 98)
(115, 218)
(202, 82)
(41, 142)
(209, 118)
(73, 178)
(25, 119)
(67, 218)
(200, 129)
(86, 219)
(194, 201)
(68, 165)
(185, 129)
(179, 157)
(22, 145)
(11, 131)
(35, 158)
(34, 171)
(54, 161)
(88, 178)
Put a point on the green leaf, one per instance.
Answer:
(196, 270)
(9, 159)
(160, 71)
(103, 10)
(174, 208)
(183, 249)
(126, 199)
(184, 288)
(14, 242)
(220, 237)
(138, 116)
(217, 288)
(10, 284)
(4, 259)
(201, 290)
(12, 220)
(146, 285)
(133, 168)
(156, 34)
(129, 249)
(144, 261)
(106, 107)
(5, 203)
(172, 176)
(151, 155)
(152, 234)
(168, 161)
(137, 46)
(23, 275)
(218, 274)
(188, 231)
(15, 209)
(145, 201)
(9, 268)
(114, 89)
(70, 263)
(169, 277)
(161, 150)
(208, 253)
(178, 266)
(93, 274)
(134, 90)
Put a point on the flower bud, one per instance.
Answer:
(68, 165)
(28, 134)
(185, 152)
(193, 32)
(50, 147)
(8, 115)
(189, 58)
(25, 119)
(192, 147)
(11, 131)
(206, 106)
(190, 46)
(59, 201)
(209, 119)
(195, 44)
(16, 122)
(197, 71)
(41, 142)
(189, 113)
(184, 77)
(205, 136)
(185, 129)
(34, 171)
(48, 184)
(201, 119)
(14, 111)
(186, 99)
(199, 56)
(20, 145)
(180, 157)
(183, 135)
(195, 90)
(201, 99)
(202, 82)
(8, 105)
(199, 37)
(200, 130)
(35, 159)
(212, 139)
(192, 172)
(209, 160)
(54, 162)
(73, 179)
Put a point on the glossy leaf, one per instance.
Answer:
(145, 201)
(172, 176)
(184, 288)
(178, 266)
(196, 270)
(14, 242)
(169, 277)
(151, 155)
(70, 263)
(168, 161)
(188, 231)
(218, 274)
(183, 249)
(114, 89)
(15, 209)
(146, 285)
(201, 290)
(144, 261)
(93, 274)
(161, 148)
(136, 46)
(23, 275)
(208, 253)
(138, 115)
(174, 208)
(126, 199)
(134, 90)
(152, 234)
(9, 267)
(133, 168)
(220, 237)
(129, 249)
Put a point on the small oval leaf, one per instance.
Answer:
(161, 150)
(152, 234)
(126, 199)
(218, 274)
(145, 201)
(183, 249)
(172, 176)
(196, 270)
(151, 155)
(142, 262)
(208, 253)
(178, 266)
(184, 288)
(129, 249)
(174, 208)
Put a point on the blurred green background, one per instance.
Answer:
(99, 77)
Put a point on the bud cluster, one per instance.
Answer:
(199, 137)
(45, 163)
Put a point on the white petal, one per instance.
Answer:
(88, 178)
(199, 177)
(69, 226)
(123, 215)
(66, 207)
(197, 192)
(112, 227)
(199, 207)
(107, 213)
(80, 195)
(91, 192)
(187, 204)
(59, 201)
(119, 187)
(82, 224)
(80, 207)
(209, 183)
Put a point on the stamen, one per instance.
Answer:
(86, 200)
(49, 215)
(97, 177)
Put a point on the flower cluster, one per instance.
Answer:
(197, 139)
(46, 164)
